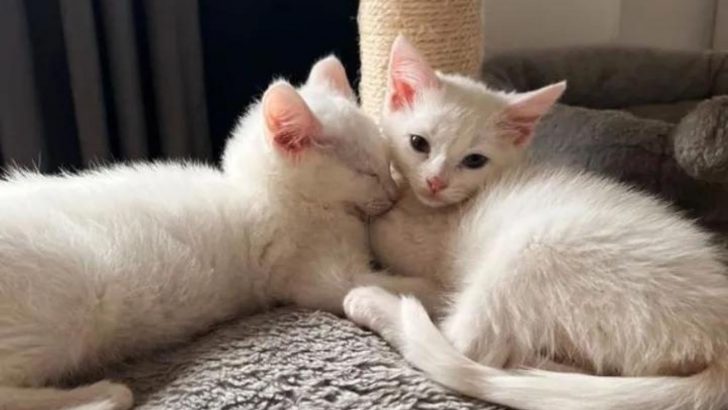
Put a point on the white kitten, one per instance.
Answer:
(551, 268)
(112, 263)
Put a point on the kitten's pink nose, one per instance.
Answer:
(436, 184)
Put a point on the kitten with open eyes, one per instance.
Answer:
(113, 263)
(549, 268)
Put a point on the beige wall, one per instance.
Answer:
(683, 24)
(720, 36)
(543, 23)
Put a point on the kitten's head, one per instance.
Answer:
(449, 134)
(315, 142)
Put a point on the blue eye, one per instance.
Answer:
(419, 144)
(474, 161)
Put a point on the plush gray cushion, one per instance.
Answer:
(614, 77)
(702, 148)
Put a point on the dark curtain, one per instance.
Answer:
(248, 43)
(95, 81)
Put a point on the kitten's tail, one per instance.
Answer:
(426, 348)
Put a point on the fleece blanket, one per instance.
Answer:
(285, 359)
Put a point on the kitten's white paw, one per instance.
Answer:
(374, 308)
(104, 395)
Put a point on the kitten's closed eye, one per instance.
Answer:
(419, 143)
(370, 174)
(474, 161)
(367, 173)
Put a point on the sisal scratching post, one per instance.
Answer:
(447, 32)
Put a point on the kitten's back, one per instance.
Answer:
(574, 246)
(118, 251)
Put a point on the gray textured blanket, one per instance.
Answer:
(285, 359)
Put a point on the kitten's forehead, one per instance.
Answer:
(455, 120)
(353, 137)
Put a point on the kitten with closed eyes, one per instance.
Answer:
(116, 262)
(606, 296)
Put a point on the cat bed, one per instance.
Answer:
(654, 118)
(627, 113)
(285, 359)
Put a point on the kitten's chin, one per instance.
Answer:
(432, 202)
(373, 208)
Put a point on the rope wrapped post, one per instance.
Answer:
(447, 32)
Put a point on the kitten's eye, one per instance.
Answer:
(419, 144)
(474, 161)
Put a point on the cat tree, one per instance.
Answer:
(447, 32)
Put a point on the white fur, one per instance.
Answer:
(550, 268)
(111, 263)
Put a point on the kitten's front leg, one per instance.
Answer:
(376, 309)
(376, 303)
(327, 292)
(428, 292)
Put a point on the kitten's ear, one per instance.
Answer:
(409, 73)
(290, 123)
(330, 71)
(525, 110)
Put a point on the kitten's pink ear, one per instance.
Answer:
(526, 109)
(289, 122)
(409, 73)
(330, 71)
